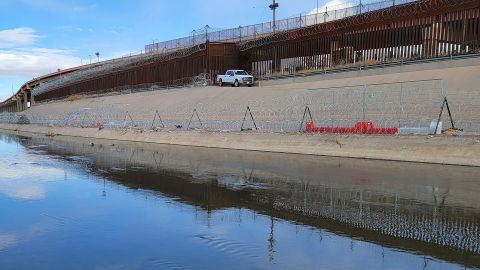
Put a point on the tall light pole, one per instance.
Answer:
(273, 7)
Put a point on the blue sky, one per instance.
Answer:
(39, 36)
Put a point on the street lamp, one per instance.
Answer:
(273, 7)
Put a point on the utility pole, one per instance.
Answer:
(273, 7)
(90, 56)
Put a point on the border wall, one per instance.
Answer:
(417, 30)
(414, 30)
(161, 69)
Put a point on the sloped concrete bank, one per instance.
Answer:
(424, 149)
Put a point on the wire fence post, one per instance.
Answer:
(245, 117)
(159, 117)
(198, 117)
(307, 110)
(83, 119)
(444, 103)
(127, 114)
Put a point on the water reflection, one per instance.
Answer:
(22, 191)
(306, 205)
(7, 241)
(22, 179)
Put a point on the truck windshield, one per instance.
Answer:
(241, 72)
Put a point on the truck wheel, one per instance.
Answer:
(236, 84)
(220, 83)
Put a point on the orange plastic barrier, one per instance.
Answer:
(359, 128)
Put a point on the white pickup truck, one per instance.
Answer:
(235, 78)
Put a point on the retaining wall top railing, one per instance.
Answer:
(244, 33)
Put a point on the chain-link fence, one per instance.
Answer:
(409, 107)
(252, 32)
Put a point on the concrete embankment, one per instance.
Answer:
(425, 149)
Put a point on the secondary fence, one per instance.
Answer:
(409, 107)
(252, 32)
(115, 65)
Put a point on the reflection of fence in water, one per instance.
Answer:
(418, 218)
(429, 216)
(391, 216)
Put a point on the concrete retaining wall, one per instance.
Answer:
(425, 149)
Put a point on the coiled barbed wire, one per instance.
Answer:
(115, 66)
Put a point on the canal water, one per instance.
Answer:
(84, 204)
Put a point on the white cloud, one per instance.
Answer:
(333, 5)
(22, 36)
(24, 171)
(26, 181)
(31, 192)
(84, 8)
(7, 241)
(70, 28)
(4, 96)
(119, 54)
(33, 62)
(20, 58)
